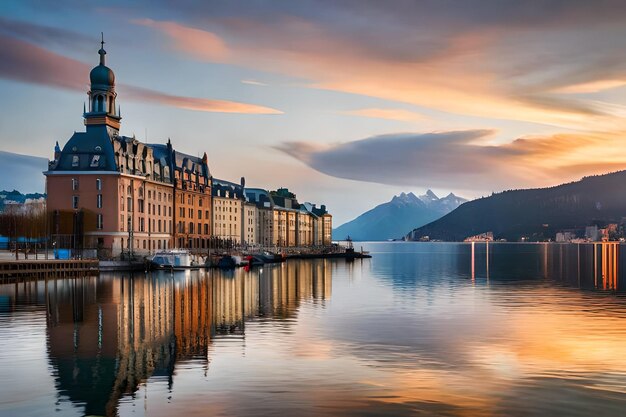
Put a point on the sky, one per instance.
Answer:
(346, 103)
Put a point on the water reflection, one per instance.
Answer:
(106, 335)
(585, 265)
(430, 329)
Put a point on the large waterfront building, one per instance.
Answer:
(117, 194)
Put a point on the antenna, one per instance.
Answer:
(102, 41)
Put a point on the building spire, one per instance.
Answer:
(102, 52)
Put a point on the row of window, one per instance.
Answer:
(191, 228)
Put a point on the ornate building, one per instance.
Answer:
(114, 194)
(117, 194)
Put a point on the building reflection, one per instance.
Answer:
(108, 334)
(582, 265)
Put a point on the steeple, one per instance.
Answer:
(102, 95)
(102, 52)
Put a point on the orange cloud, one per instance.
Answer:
(466, 73)
(198, 104)
(196, 42)
(24, 62)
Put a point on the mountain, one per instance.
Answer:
(22, 172)
(394, 219)
(535, 213)
(7, 197)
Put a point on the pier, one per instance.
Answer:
(11, 271)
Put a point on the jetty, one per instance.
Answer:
(16, 270)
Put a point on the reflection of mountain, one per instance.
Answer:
(107, 335)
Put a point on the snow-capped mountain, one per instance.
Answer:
(395, 218)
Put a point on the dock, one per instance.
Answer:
(11, 270)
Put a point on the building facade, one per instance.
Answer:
(228, 218)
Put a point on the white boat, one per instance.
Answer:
(173, 259)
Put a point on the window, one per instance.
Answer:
(159, 209)
(99, 200)
(75, 161)
(129, 204)
(159, 226)
(98, 184)
(141, 205)
(99, 221)
(199, 214)
(200, 202)
(74, 201)
(206, 229)
(75, 184)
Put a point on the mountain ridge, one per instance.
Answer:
(394, 218)
(536, 213)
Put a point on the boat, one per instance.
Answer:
(255, 260)
(269, 257)
(231, 261)
(173, 259)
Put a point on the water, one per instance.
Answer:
(419, 329)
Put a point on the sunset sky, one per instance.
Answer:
(345, 102)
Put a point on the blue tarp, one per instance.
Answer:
(62, 254)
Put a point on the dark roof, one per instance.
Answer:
(260, 197)
(88, 151)
(219, 188)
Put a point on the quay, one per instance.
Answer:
(14, 270)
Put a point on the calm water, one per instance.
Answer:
(420, 329)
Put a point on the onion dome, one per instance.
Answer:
(102, 77)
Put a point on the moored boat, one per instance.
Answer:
(173, 259)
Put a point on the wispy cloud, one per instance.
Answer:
(253, 82)
(189, 40)
(45, 35)
(25, 62)
(389, 114)
(462, 158)
(198, 104)
(498, 60)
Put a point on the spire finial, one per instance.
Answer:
(102, 52)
